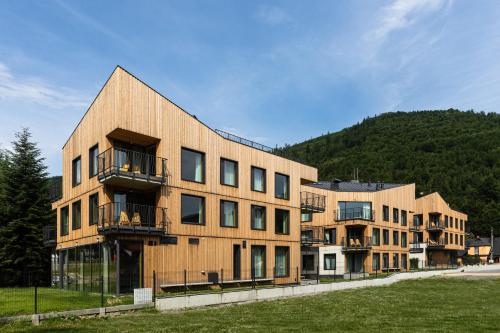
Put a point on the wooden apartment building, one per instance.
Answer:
(148, 187)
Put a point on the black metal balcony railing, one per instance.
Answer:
(312, 234)
(131, 164)
(436, 225)
(435, 243)
(356, 243)
(115, 217)
(415, 227)
(365, 214)
(312, 202)
(49, 235)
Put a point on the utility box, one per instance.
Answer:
(143, 295)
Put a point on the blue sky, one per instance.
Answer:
(275, 72)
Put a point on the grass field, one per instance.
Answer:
(430, 305)
(15, 301)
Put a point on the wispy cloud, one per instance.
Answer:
(272, 15)
(36, 90)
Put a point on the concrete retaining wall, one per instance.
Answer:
(193, 301)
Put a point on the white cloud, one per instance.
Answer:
(272, 15)
(35, 90)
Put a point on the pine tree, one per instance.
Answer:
(23, 256)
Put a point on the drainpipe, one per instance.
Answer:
(492, 244)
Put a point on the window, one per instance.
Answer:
(461, 225)
(331, 236)
(418, 220)
(395, 238)
(258, 262)
(461, 240)
(385, 211)
(192, 209)
(451, 238)
(330, 261)
(76, 215)
(404, 261)
(308, 262)
(305, 216)
(446, 221)
(282, 261)
(258, 217)
(77, 171)
(93, 161)
(228, 172)
(281, 186)
(404, 239)
(258, 179)
(64, 221)
(404, 218)
(446, 238)
(192, 165)
(93, 208)
(376, 236)
(395, 260)
(376, 261)
(282, 221)
(385, 261)
(385, 235)
(456, 223)
(395, 215)
(349, 210)
(456, 239)
(228, 214)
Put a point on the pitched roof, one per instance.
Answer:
(353, 186)
(482, 241)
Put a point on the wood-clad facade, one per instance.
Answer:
(131, 151)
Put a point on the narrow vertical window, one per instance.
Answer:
(76, 171)
(258, 180)
(258, 261)
(228, 214)
(404, 218)
(228, 172)
(404, 240)
(93, 208)
(281, 186)
(192, 165)
(76, 215)
(64, 221)
(93, 160)
(282, 261)
(385, 211)
(376, 236)
(395, 215)
(258, 217)
(282, 221)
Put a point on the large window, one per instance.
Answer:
(331, 236)
(258, 179)
(376, 236)
(192, 165)
(258, 217)
(395, 238)
(76, 215)
(395, 215)
(330, 261)
(281, 186)
(385, 211)
(64, 221)
(385, 236)
(77, 171)
(258, 254)
(93, 153)
(228, 214)
(282, 261)
(404, 239)
(349, 210)
(404, 218)
(192, 209)
(376, 261)
(93, 208)
(282, 221)
(228, 172)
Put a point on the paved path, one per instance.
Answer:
(479, 271)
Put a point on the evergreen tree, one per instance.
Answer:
(27, 209)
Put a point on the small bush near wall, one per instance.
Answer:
(471, 260)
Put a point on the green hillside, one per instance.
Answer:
(455, 153)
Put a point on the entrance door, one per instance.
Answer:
(355, 263)
(130, 266)
(236, 262)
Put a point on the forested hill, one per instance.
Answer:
(455, 153)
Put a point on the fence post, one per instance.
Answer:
(317, 274)
(36, 297)
(335, 271)
(252, 273)
(102, 291)
(350, 274)
(154, 287)
(222, 279)
(297, 271)
(274, 276)
(185, 282)
(376, 269)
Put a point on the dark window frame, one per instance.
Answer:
(384, 240)
(264, 259)
(221, 215)
(73, 169)
(287, 185)
(75, 204)
(395, 215)
(405, 244)
(373, 237)
(61, 222)
(288, 221)
(203, 162)
(395, 240)
(91, 197)
(252, 168)
(236, 180)
(92, 172)
(204, 209)
(334, 238)
(404, 221)
(308, 213)
(252, 217)
(385, 213)
(324, 261)
(287, 274)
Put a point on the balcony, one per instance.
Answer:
(49, 235)
(415, 227)
(356, 244)
(416, 248)
(312, 202)
(435, 226)
(131, 169)
(434, 244)
(119, 218)
(355, 216)
(310, 235)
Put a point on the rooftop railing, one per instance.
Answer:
(245, 142)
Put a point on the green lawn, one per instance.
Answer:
(430, 305)
(14, 301)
